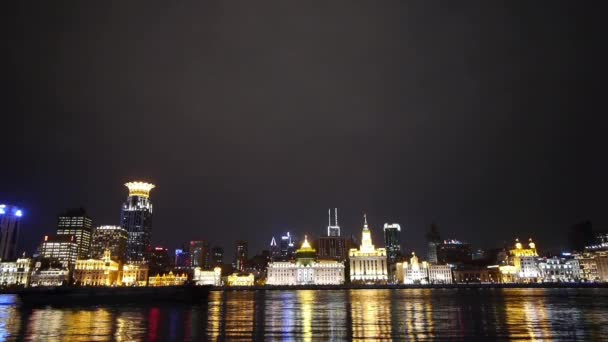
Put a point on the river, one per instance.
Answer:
(414, 314)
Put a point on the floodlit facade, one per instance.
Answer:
(236, 279)
(440, 274)
(10, 222)
(15, 272)
(97, 272)
(305, 270)
(76, 222)
(368, 263)
(415, 272)
(136, 218)
(558, 269)
(206, 277)
(50, 277)
(134, 274)
(113, 238)
(60, 248)
(522, 264)
(168, 279)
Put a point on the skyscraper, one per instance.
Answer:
(217, 254)
(10, 219)
(333, 230)
(76, 222)
(433, 239)
(392, 235)
(136, 218)
(113, 238)
(332, 246)
(200, 254)
(60, 248)
(241, 255)
(287, 247)
(275, 250)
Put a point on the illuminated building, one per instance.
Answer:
(392, 234)
(275, 251)
(50, 277)
(477, 275)
(60, 248)
(10, 221)
(332, 246)
(367, 264)
(305, 270)
(240, 255)
(160, 261)
(97, 272)
(136, 218)
(208, 277)
(217, 256)
(333, 230)
(134, 274)
(76, 222)
(15, 272)
(440, 274)
(182, 258)
(287, 247)
(200, 254)
(453, 252)
(113, 238)
(593, 266)
(558, 269)
(236, 279)
(433, 240)
(522, 264)
(413, 272)
(168, 279)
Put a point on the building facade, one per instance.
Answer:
(236, 279)
(217, 256)
(453, 252)
(168, 279)
(15, 273)
(50, 277)
(207, 277)
(113, 238)
(433, 240)
(60, 248)
(10, 222)
(392, 241)
(136, 219)
(368, 263)
(558, 269)
(305, 270)
(97, 272)
(134, 274)
(76, 222)
(440, 274)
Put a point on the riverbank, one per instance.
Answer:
(412, 286)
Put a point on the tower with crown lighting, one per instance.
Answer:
(136, 218)
(368, 264)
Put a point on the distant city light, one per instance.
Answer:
(18, 213)
(2, 211)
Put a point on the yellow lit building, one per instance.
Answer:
(240, 280)
(367, 264)
(134, 274)
(96, 272)
(15, 272)
(522, 264)
(168, 279)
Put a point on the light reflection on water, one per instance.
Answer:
(413, 314)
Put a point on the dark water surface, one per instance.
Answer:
(413, 314)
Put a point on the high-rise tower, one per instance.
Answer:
(10, 219)
(333, 230)
(392, 234)
(136, 218)
(76, 222)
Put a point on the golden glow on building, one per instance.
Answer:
(522, 264)
(97, 272)
(203, 277)
(240, 280)
(168, 279)
(135, 274)
(367, 264)
(140, 189)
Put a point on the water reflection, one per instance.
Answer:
(531, 314)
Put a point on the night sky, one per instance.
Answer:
(253, 118)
